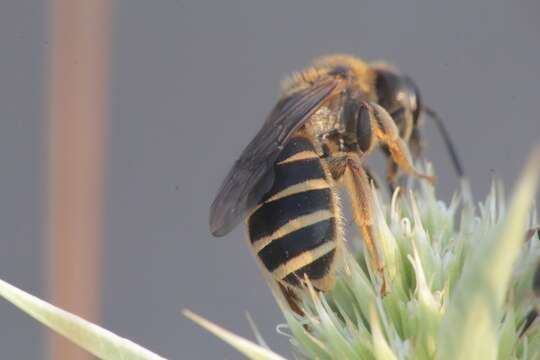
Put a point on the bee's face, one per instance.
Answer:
(396, 91)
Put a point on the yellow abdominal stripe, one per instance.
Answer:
(303, 155)
(293, 225)
(303, 259)
(314, 184)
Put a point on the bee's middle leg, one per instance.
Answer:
(361, 195)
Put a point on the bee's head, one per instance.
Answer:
(396, 92)
(400, 96)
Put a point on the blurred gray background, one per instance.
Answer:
(191, 83)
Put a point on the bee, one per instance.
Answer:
(327, 121)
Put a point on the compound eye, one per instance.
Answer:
(364, 132)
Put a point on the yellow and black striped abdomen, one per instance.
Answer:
(296, 229)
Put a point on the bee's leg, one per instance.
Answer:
(404, 121)
(528, 322)
(361, 196)
(291, 298)
(415, 143)
(387, 132)
(336, 164)
(372, 177)
(392, 170)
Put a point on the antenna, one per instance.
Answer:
(446, 137)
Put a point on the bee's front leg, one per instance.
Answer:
(387, 132)
(416, 144)
(404, 121)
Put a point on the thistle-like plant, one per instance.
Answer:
(460, 279)
(460, 283)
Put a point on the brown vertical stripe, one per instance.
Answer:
(79, 32)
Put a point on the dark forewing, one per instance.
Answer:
(251, 176)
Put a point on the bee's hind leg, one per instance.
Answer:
(292, 299)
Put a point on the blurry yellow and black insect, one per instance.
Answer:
(329, 118)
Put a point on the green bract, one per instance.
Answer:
(459, 279)
(96, 340)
